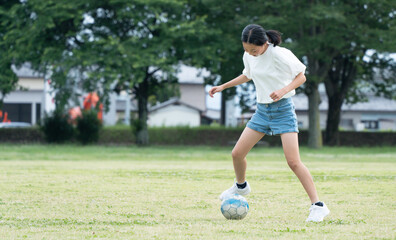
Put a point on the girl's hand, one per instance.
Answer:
(277, 95)
(215, 89)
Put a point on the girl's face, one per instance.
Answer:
(254, 50)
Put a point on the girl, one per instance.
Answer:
(276, 73)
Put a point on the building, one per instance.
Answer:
(174, 112)
(27, 104)
(190, 109)
(377, 114)
(35, 97)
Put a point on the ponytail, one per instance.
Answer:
(274, 37)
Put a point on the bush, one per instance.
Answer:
(209, 136)
(56, 128)
(88, 127)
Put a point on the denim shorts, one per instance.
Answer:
(274, 118)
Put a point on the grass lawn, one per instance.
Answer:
(74, 192)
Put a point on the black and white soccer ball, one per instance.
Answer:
(234, 207)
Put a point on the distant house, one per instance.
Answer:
(192, 88)
(378, 114)
(28, 102)
(35, 97)
(190, 109)
(174, 112)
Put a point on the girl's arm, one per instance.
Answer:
(234, 82)
(298, 81)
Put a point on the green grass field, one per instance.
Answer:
(74, 192)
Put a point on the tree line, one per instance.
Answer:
(135, 46)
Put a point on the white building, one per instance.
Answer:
(378, 114)
(174, 112)
(35, 97)
(192, 108)
(26, 105)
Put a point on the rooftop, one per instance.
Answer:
(25, 71)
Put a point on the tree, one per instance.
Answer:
(107, 46)
(332, 38)
(8, 79)
(374, 27)
(135, 45)
(42, 33)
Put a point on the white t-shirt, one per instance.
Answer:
(276, 68)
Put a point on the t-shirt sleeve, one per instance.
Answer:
(246, 70)
(286, 61)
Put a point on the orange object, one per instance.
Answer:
(74, 113)
(100, 113)
(90, 100)
(5, 119)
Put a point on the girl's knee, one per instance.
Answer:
(236, 154)
(294, 163)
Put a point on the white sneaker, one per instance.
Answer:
(317, 213)
(235, 190)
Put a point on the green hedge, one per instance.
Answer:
(21, 135)
(209, 136)
(116, 136)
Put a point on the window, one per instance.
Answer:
(370, 124)
(346, 123)
(18, 112)
(38, 112)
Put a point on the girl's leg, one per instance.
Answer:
(246, 142)
(292, 154)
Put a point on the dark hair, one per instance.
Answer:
(255, 34)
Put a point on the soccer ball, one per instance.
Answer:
(234, 207)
